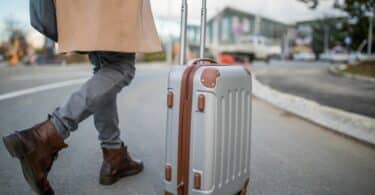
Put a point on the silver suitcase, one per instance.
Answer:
(208, 137)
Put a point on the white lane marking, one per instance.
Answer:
(41, 88)
(41, 76)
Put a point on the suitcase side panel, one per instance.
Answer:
(171, 142)
(203, 140)
(220, 142)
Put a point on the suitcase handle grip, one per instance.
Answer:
(203, 60)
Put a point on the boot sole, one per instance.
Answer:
(17, 149)
(111, 180)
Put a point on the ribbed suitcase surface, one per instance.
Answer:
(208, 149)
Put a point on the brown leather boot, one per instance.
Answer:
(118, 164)
(36, 148)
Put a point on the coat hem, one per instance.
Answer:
(61, 51)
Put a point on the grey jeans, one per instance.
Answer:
(97, 97)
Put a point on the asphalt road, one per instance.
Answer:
(289, 155)
(22, 77)
(312, 80)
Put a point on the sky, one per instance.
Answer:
(286, 11)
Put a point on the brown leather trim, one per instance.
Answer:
(201, 102)
(184, 135)
(170, 99)
(209, 77)
(244, 188)
(247, 69)
(197, 180)
(168, 193)
(168, 173)
(247, 182)
(186, 101)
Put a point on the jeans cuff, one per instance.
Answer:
(112, 145)
(61, 130)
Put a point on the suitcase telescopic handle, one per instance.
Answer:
(183, 31)
(203, 29)
(184, 16)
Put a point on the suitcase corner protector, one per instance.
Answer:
(209, 77)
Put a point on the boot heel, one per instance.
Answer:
(14, 146)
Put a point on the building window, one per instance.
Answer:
(246, 25)
(215, 31)
(225, 29)
(238, 28)
(210, 33)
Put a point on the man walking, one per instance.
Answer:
(111, 32)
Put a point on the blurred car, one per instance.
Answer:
(358, 56)
(1, 58)
(326, 56)
(253, 46)
(355, 57)
(304, 56)
(335, 56)
(339, 56)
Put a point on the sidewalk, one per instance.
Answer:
(317, 84)
(338, 103)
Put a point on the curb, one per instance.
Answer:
(350, 124)
(338, 71)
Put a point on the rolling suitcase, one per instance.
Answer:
(208, 124)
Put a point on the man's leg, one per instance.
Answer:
(106, 117)
(38, 147)
(106, 122)
(116, 71)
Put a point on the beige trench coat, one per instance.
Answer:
(106, 25)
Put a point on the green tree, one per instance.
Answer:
(326, 29)
(330, 27)
(357, 24)
(358, 11)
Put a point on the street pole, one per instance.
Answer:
(286, 44)
(326, 38)
(326, 24)
(370, 33)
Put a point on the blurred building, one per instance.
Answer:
(230, 24)
(225, 27)
(229, 27)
